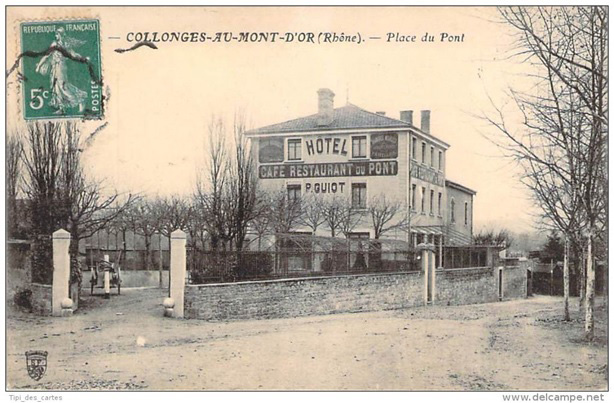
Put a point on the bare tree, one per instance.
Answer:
(88, 205)
(386, 215)
(228, 191)
(60, 193)
(284, 211)
(561, 145)
(262, 224)
(212, 189)
(312, 215)
(171, 213)
(42, 162)
(143, 220)
(243, 196)
(339, 215)
(14, 154)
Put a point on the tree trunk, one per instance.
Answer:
(589, 322)
(566, 279)
(605, 289)
(160, 258)
(75, 267)
(124, 249)
(582, 273)
(147, 252)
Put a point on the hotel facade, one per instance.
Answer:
(364, 157)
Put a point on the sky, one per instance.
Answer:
(161, 101)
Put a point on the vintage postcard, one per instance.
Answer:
(307, 199)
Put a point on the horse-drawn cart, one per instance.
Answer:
(103, 270)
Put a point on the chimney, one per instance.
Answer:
(407, 116)
(325, 106)
(425, 121)
(381, 113)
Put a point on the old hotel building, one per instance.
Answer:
(350, 152)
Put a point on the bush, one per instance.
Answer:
(254, 265)
(23, 299)
(42, 260)
(210, 267)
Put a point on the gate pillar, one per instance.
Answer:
(60, 289)
(427, 259)
(178, 271)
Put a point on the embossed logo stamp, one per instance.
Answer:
(36, 363)
(61, 69)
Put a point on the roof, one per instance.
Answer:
(344, 118)
(460, 187)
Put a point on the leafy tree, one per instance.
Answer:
(553, 249)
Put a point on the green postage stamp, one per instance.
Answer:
(61, 69)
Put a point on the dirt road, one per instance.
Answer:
(125, 343)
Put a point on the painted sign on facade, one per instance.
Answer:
(271, 149)
(329, 170)
(384, 145)
(326, 146)
(427, 174)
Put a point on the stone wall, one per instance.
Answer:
(465, 286)
(349, 293)
(304, 296)
(41, 299)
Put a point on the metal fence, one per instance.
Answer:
(457, 257)
(231, 266)
(306, 256)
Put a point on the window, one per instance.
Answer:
(439, 204)
(359, 147)
(423, 152)
(413, 197)
(414, 145)
(433, 157)
(466, 213)
(452, 214)
(359, 195)
(294, 192)
(422, 201)
(431, 202)
(440, 161)
(294, 149)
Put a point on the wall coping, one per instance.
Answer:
(466, 268)
(294, 279)
(42, 285)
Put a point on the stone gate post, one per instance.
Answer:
(427, 259)
(60, 290)
(177, 274)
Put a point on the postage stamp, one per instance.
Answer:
(61, 69)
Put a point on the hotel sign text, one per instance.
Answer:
(329, 170)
